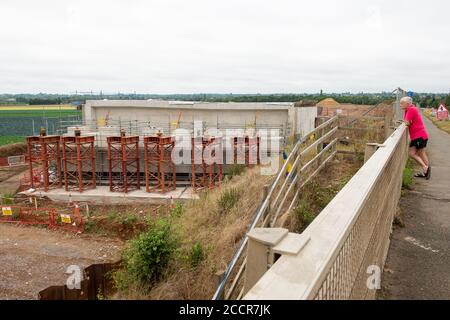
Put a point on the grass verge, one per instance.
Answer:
(208, 232)
(443, 125)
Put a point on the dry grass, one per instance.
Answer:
(14, 149)
(360, 132)
(219, 233)
(320, 191)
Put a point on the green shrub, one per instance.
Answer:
(112, 216)
(89, 225)
(177, 211)
(196, 255)
(228, 199)
(236, 170)
(128, 220)
(147, 257)
(7, 198)
(408, 174)
(304, 213)
(321, 196)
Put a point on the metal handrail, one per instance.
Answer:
(265, 204)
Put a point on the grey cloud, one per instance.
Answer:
(236, 46)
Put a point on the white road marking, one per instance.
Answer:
(417, 243)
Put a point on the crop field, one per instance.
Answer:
(4, 140)
(37, 107)
(20, 121)
(38, 111)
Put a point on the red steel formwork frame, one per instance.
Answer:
(159, 167)
(204, 173)
(198, 165)
(79, 163)
(214, 170)
(124, 170)
(251, 147)
(45, 151)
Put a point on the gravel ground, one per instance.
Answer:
(33, 259)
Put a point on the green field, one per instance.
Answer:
(4, 140)
(38, 113)
(21, 121)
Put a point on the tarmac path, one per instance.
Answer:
(418, 264)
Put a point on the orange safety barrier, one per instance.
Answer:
(69, 219)
(10, 213)
(32, 216)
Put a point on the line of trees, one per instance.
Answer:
(424, 100)
(432, 100)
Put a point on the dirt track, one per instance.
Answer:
(33, 259)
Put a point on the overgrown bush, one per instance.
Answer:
(304, 213)
(128, 220)
(89, 225)
(408, 174)
(236, 170)
(177, 211)
(196, 255)
(148, 256)
(7, 198)
(228, 199)
(321, 196)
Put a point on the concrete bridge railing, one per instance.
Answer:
(349, 240)
(281, 197)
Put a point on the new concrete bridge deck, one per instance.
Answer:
(418, 265)
(102, 195)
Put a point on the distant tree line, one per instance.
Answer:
(424, 99)
(432, 100)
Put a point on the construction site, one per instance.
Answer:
(124, 148)
(100, 180)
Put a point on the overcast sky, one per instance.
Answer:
(239, 46)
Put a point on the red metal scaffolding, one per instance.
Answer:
(250, 146)
(123, 157)
(206, 173)
(160, 171)
(198, 166)
(45, 162)
(79, 163)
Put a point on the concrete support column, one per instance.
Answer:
(258, 253)
(264, 246)
(371, 148)
(388, 126)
